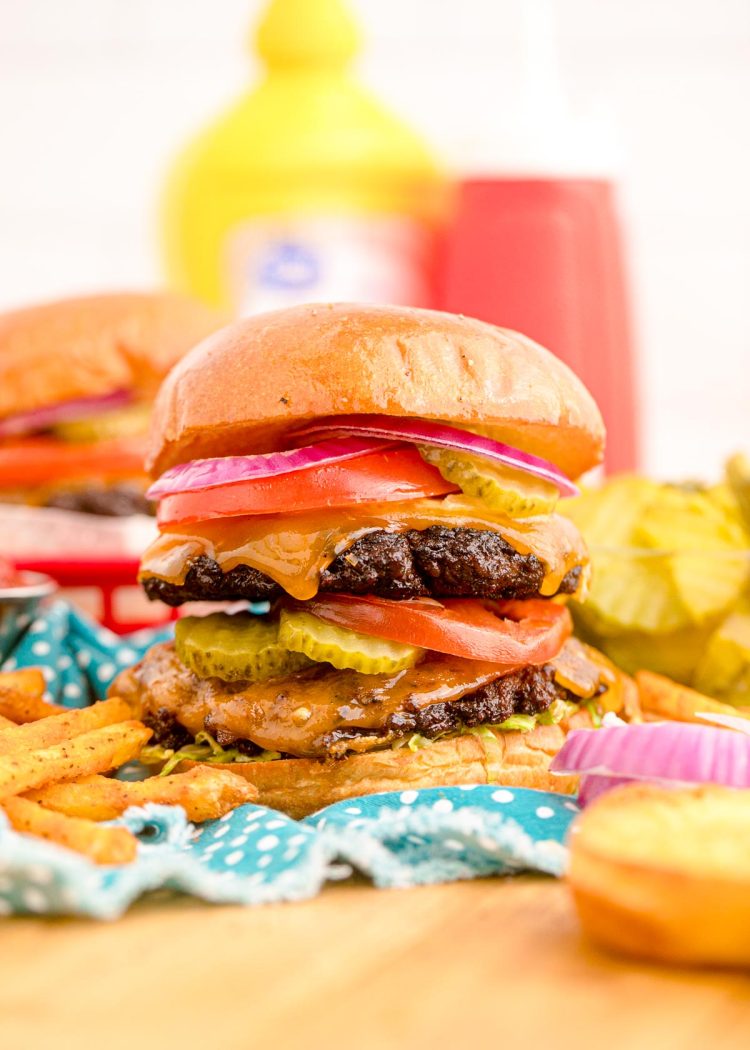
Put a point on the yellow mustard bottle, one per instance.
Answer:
(307, 188)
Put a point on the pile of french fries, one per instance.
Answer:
(52, 765)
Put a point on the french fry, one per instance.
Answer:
(102, 845)
(94, 752)
(5, 723)
(631, 700)
(28, 680)
(204, 793)
(48, 731)
(664, 698)
(26, 707)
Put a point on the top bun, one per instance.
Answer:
(247, 386)
(92, 346)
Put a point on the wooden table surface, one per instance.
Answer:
(496, 962)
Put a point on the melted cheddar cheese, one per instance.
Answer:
(294, 549)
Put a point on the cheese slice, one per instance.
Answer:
(294, 549)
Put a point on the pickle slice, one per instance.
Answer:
(632, 591)
(673, 653)
(724, 668)
(607, 517)
(708, 564)
(516, 493)
(118, 423)
(238, 648)
(301, 632)
(738, 478)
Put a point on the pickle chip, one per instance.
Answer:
(516, 493)
(301, 632)
(671, 653)
(724, 668)
(665, 557)
(633, 591)
(738, 479)
(608, 516)
(118, 423)
(234, 648)
(708, 563)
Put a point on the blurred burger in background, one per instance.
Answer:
(77, 378)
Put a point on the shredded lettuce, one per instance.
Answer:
(555, 713)
(517, 724)
(413, 742)
(595, 712)
(514, 724)
(204, 749)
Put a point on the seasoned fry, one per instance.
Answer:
(26, 707)
(94, 752)
(662, 697)
(203, 792)
(48, 731)
(28, 680)
(102, 845)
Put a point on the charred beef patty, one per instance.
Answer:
(437, 562)
(528, 691)
(119, 501)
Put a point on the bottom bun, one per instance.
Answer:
(300, 786)
(664, 874)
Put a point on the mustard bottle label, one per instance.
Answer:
(281, 261)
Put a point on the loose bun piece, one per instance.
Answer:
(300, 786)
(95, 345)
(664, 874)
(247, 387)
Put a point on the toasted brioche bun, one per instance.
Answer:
(299, 786)
(95, 345)
(244, 389)
(665, 874)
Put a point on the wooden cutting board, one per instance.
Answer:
(496, 962)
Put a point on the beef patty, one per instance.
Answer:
(116, 501)
(526, 692)
(436, 562)
(176, 705)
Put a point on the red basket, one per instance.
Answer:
(108, 577)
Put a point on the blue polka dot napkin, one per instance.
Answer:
(256, 855)
(79, 658)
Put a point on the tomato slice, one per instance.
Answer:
(396, 474)
(510, 633)
(37, 461)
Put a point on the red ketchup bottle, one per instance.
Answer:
(541, 251)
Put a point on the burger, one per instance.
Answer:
(76, 381)
(376, 488)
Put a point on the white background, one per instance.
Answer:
(96, 96)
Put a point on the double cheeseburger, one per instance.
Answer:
(76, 381)
(384, 480)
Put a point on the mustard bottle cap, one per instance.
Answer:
(307, 33)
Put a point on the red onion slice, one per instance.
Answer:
(675, 753)
(742, 725)
(79, 408)
(424, 432)
(201, 474)
(594, 784)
